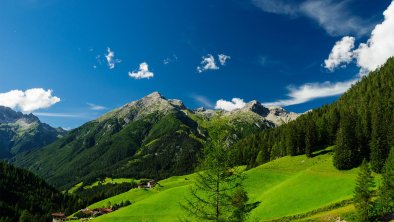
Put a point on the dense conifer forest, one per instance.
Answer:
(360, 124)
(26, 197)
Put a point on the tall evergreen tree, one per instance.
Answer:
(386, 198)
(213, 192)
(363, 192)
(310, 137)
(346, 152)
(379, 138)
(238, 201)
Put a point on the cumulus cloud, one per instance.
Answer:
(29, 100)
(235, 103)
(376, 51)
(223, 59)
(311, 91)
(341, 53)
(380, 46)
(142, 73)
(111, 60)
(208, 63)
(333, 16)
(93, 106)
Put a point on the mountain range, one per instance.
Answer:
(21, 132)
(153, 137)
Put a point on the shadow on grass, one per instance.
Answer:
(251, 206)
(321, 152)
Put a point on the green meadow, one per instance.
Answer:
(283, 187)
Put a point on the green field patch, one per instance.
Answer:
(283, 187)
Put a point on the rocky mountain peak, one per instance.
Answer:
(177, 103)
(279, 115)
(20, 132)
(256, 107)
(8, 115)
(154, 95)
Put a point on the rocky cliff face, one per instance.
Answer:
(20, 132)
(254, 111)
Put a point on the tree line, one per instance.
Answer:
(26, 197)
(360, 125)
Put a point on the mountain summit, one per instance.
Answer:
(153, 137)
(21, 132)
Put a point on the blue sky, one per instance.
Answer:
(272, 50)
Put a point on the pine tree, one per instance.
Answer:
(212, 193)
(238, 201)
(386, 198)
(310, 138)
(346, 154)
(260, 158)
(379, 138)
(25, 216)
(363, 192)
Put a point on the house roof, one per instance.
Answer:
(106, 210)
(58, 215)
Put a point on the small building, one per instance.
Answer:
(101, 211)
(87, 211)
(58, 217)
(149, 184)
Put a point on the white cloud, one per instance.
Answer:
(208, 63)
(142, 73)
(66, 115)
(334, 17)
(369, 56)
(29, 100)
(341, 53)
(93, 106)
(166, 61)
(311, 91)
(276, 7)
(111, 60)
(203, 100)
(235, 103)
(380, 46)
(171, 59)
(223, 59)
(374, 53)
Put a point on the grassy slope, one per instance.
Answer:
(287, 186)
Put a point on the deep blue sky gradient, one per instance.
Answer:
(53, 44)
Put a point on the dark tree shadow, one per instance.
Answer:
(321, 152)
(252, 206)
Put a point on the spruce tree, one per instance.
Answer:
(386, 198)
(346, 154)
(379, 139)
(260, 158)
(212, 194)
(363, 192)
(310, 138)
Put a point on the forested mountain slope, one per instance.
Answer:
(20, 132)
(26, 197)
(153, 137)
(360, 123)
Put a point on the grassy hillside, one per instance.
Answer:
(149, 138)
(284, 187)
(363, 116)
